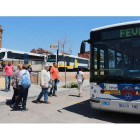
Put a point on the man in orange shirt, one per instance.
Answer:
(55, 78)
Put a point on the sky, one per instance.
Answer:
(25, 33)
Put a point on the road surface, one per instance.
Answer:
(66, 108)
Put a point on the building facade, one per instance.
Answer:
(1, 31)
(64, 53)
(40, 51)
(85, 55)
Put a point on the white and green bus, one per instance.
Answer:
(115, 72)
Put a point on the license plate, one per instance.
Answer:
(129, 106)
(105, 103)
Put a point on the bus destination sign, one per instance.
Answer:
(122, 33)
(130, 32)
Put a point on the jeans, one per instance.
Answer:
(23, 93)
(45, 93)
(7, 82)
(54, 86)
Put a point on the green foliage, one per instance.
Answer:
(74, 84)
(71, 85)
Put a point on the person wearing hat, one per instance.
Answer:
(45, 79)
(30, 69)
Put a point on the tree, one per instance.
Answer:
(63, 42)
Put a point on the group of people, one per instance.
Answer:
(8, 72)
(48, 80)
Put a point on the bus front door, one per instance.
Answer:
(100, 60)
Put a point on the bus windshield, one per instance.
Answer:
(51, 58)
(117, 57)
(2, 54)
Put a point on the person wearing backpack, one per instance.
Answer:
(80, 78)
(24, 84)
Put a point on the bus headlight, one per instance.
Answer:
(93, 95)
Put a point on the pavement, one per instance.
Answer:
(66, 108)
(34, 91)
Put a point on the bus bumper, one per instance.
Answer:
(95, 103)
(116, 105)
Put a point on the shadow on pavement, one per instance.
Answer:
(8, 102)
(74, 95)
(34, 101)
(83, 108)
(2, 90)
(18, 108)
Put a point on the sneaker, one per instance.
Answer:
(9, 90)
(13, 107)
(47, 102)
(6, 90)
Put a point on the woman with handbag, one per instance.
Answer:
(15, 80)
(80, 78)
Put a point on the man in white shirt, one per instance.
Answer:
(44, 82)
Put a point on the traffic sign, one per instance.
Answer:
(54, 46)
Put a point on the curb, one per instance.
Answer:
(32, 97)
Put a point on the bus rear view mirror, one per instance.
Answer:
(82, 49)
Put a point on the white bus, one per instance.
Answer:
(17, 57)
(71, 61)
(115, 79)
